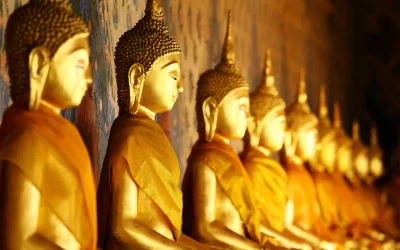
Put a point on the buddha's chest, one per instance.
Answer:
(152, 216)
(226, 212)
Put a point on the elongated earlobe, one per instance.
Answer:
(39, 66)
(136, 81)
(210, 115)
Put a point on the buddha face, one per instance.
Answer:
(376, 167)
(361, 165)
(344, 160)
(162, 84)
(233, 114)
(69, 73)
(328, 155)
(273, 132)
(307, 142)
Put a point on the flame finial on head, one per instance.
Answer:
(323, 109)
(269, 81)
(337, 120)
(356, 131)
(154, 9)
(228, 51)
(301, 90)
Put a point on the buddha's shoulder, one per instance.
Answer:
(207, 155)
(24, 137)
(25, 143)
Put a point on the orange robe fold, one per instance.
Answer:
(270, 184)
(232, 177)
(152, 163)
(328, 199)
(303, 194)
(32, 141)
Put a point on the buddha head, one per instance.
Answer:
(375, 156)
(327, 135)
(147, 64)
(47, 50)
(360, 161)
(302, 126)
(222, 99)
(344, 153)
(268, 123)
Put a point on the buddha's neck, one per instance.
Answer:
(147, 112)
(319, 167)
(264, 151)
(51, 107)
(296, 159)
(219, 137)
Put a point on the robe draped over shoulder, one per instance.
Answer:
(152, 163)
(49, 151)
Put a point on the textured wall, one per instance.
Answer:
(314, 34)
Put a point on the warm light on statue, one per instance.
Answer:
(139, 199)
(47, 187)
(266, 134)
(219, 203)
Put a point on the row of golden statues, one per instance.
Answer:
(320, 196)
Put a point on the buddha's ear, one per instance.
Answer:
(254, 128)
(210, 116)
(39, 66)
(290, 144)
(136, 78)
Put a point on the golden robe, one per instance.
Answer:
(140, 141)
(49, 152)
(270, 183)
(233, 179)
(383, 215)
(350, 213)
(303, 194)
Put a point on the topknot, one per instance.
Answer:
(48, 23)
(149, 40)
(219, 82)
(298, 114)
(265, 98)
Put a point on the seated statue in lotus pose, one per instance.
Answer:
(48, 193)
(385, 222)
(265, 135)
(304, 216)
(324, 173)
(139, 199)
(219, 204)
(356, 175)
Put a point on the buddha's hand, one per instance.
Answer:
(325, 245)
(351, 245)
(303, 246)
(388, 245)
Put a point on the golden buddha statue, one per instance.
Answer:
(357, 174)
(219, 205)
(139, 199)
(47, 186)
(266, 135)
(323, 171)
(303, 215)
(384, 220)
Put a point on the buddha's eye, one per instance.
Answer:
(174, 77)
(79, 66)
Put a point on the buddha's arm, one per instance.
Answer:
(284, 238)
(206, 225)
(309, 237)
(128, 232)
(20, 201)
